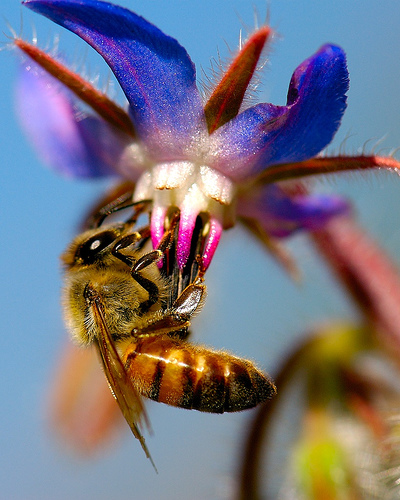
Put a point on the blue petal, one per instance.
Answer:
(281, 215)
(267, 135)
(71, 142)
(154, 71)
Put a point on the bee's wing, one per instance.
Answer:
(128, 399)
(80, 407)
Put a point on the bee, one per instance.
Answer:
(135, 305)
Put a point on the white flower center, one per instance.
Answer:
(187, 185)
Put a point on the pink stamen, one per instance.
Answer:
(212, 242)
(157, 224)
(186, 227)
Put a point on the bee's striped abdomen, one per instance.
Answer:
(194, 377)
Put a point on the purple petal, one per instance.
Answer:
(73, 143)
(280, 215)
(154, 71)
(266, 135)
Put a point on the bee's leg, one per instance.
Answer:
(189, 300)
(150, 287)
(167, 239)
(123, 201)
(146, 260)
(136, 266)
(176, 321)
(121, 191)
(125, 242)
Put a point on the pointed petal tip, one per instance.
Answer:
(280, 214)
(266, 135)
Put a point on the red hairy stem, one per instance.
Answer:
(367, 272)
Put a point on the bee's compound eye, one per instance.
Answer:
(90, 249)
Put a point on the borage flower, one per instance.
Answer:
(213, 160)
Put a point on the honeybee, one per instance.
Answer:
(135, 305)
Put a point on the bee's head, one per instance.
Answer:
(92, 247)
(97, 273)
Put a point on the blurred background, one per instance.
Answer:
(253, 309)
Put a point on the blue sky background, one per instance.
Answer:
(253, 309)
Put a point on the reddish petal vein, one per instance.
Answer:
(225, 101)
(98, 101)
